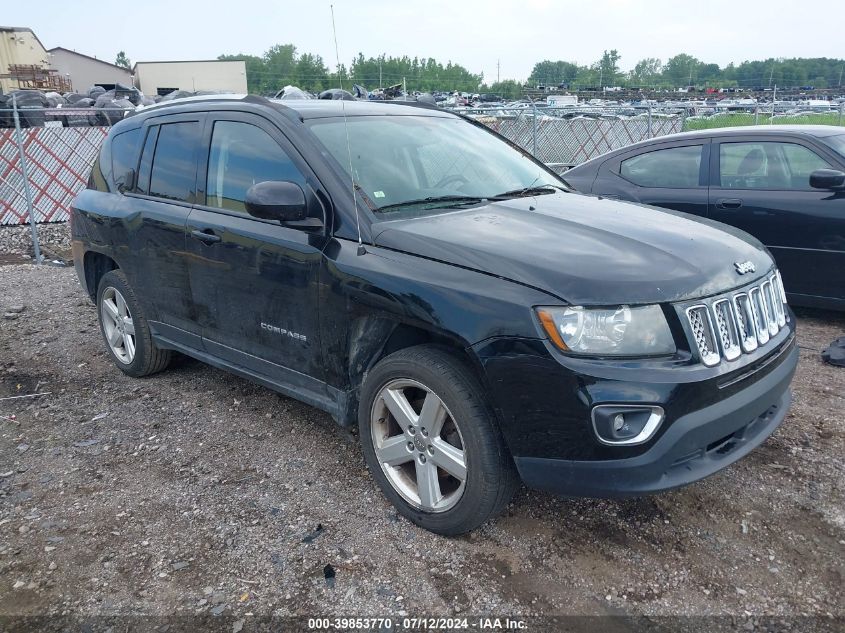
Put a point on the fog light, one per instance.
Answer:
(626, 425)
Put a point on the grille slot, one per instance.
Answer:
(761, 325)
(778, 300)
(745, 323)
(769, 303)
(725, 327)
(702, 331)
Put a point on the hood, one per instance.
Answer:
(585, 250)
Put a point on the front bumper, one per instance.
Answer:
(710, 424)
(694, 447)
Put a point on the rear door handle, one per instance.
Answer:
(728, 203)
(208, 236)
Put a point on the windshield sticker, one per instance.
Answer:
(378, 194)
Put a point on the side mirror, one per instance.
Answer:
(279, 200)
(827, 179)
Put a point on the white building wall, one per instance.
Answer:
(229, 76)
(85, 72)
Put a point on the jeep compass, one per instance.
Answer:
(419, 277)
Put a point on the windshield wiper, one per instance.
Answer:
(451, 200)
(527, 191)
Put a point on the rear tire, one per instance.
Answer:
(125, 329)
(431, 441)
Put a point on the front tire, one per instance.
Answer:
(125, 329)
(431, 442)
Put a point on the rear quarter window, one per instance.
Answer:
(124, 155)
(674, 167)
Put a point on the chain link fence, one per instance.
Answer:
(563, 137)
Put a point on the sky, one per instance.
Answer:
(476, 34)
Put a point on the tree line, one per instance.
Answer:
(284, 65)
(685, 70)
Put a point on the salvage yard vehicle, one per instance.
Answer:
(783, 184)
(415, 275)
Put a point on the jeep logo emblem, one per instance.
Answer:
(744, 267)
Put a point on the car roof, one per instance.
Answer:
(763, 130)
(742, 130)
(303, 108)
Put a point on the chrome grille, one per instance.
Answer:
(727, 326)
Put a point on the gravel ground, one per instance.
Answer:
(195, 492)
(53, 239)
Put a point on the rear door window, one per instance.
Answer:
(174, 168)
(671, 168)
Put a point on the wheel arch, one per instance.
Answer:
(374, 338)
(95, 265)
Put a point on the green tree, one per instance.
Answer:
(608, 67)
(646, 73)
(549, 73)
(424, 74)
(122, 60)
(507, 88)
(680, 70)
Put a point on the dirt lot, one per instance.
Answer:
(194, 492)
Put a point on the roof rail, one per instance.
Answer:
(203, 98)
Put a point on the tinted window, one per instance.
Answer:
(174, 164)
(124, 155)
(241, 156)
(767, 165)
(675, 167)
(837, 143)
(143, 180)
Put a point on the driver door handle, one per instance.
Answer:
(208, 236)
(728, 203)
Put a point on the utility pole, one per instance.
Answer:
(774, 98)
(379, 70)
(498, 80)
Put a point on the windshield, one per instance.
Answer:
(405, 164)
(837, 142)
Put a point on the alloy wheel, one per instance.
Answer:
(118, 325)
(419, 445)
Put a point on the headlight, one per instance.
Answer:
(621, 331)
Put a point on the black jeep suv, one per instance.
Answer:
(412, 273)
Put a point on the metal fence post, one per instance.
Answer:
(534, 107)
(841, 109)
(25, 174)
(757, 114)
(650, 133)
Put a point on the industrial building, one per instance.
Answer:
(25, 63)
(85, 71)
(160, 78)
